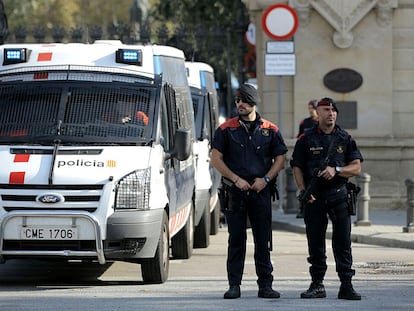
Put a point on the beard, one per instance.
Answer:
(244, 112)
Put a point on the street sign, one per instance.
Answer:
(251, 34)
(280, 21)
(275, 47)
(280, 64)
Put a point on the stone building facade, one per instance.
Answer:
(373, 39)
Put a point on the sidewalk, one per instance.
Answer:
(386, 228)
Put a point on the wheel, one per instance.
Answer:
(182, 242)
(202, 230)
(155, 270)
(215, 220)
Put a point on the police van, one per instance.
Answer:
(96, 151)
(205, 103)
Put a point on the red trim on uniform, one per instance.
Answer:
(44, 57)
(301, 136)
(269, 125)
(233, 122)
(16, 177)
(21, 158)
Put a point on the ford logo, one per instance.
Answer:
(50, 198)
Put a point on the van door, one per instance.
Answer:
(168, 128)
(180, 174)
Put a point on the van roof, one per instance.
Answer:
(99, 54)
(193, 72)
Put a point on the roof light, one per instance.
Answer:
(15, 56)
(130, 57)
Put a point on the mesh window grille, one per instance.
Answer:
(95, 112)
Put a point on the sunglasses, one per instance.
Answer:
(237, 99)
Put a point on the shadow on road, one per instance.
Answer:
(59, 273)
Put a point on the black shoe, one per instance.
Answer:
(316, 290)
(268, 292)
(233, 292)
(346, 291)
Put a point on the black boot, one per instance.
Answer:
(346, 291)
(268, 292)
(233, 292)
(316, 290)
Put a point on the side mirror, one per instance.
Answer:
(182, 145)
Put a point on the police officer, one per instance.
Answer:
(310, 121)
(327, 142)
(249, 152)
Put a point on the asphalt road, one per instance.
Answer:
(385, 278)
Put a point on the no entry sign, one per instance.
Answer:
(280, 21)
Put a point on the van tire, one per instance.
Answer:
(215, 220)
(155, 270)
(202, 230)
(182, 242)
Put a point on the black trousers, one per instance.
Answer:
(256, 206)
(332, 204)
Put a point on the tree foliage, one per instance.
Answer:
(210, 31)
(64, 13)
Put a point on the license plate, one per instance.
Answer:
(49, 233)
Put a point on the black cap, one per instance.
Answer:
(327, 101)
(248, 94)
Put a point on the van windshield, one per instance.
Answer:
(76, 112)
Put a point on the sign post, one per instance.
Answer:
(280, 22)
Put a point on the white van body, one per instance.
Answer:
(96, 152)
(205, 103)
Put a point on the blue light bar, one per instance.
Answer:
(130, 57)
(14, 56)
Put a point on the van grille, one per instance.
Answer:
(26, 199)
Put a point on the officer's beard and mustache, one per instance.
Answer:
(248, 117)
(247, 113)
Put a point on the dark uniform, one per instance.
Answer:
(248, 149)
(310, 151)
(306, 123)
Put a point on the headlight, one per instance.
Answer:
(133, 190)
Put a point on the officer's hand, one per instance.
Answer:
(311, 199)
(242, 184)
(328, 173)
(259, 184)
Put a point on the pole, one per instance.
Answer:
(229, 92)
(280, 117)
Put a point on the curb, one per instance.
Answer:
(355, 237)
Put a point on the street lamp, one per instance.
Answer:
(39, 34)
(76, 34)
(95, 33)
(58, 33)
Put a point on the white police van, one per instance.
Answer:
(205, 103)
(96, 152)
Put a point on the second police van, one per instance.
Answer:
(96, 151)
(205, 103)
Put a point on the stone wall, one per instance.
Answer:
(376, 39)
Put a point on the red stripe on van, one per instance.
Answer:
(16, 177)
(21, 158)
(44, 57)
